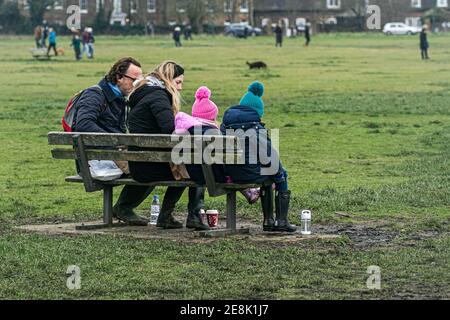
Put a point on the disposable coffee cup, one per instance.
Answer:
(213, 218)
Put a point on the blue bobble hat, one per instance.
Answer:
(252, 98)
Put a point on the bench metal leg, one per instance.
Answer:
(231, 221)
(107, 213)
(107, 205)
(231, 210)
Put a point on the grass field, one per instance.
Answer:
(364, 131)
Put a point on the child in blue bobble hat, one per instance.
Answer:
(244, 120)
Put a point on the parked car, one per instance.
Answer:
(399, 28)
(238, 30)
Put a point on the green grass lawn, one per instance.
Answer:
(364, 130)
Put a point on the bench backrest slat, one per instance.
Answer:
(160, 141)
(139, 156)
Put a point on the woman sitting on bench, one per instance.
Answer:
(153, 105)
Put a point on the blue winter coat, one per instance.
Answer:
(52, 37)
(100, 111)
(241, 117)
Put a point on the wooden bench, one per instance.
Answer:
(40, 53)
(85, 146)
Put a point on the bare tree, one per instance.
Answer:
(233, 6)
(37, 10)
(251, 17)
(391, 10)
(358, 7)
(212, 9)
(196, 11)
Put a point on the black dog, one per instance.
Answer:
(257, 65)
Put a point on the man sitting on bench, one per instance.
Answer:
(103, 108)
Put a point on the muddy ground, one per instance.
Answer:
(361, 234)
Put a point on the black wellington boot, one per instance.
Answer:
(282, 199)
(196, 202)
(131, 197)
(266, 195)
(165, 218)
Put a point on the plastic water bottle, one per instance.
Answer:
(203, 216)
(154, 210)
(305, 220)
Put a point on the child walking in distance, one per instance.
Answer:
(176, 36)
(76, 44)
(52, 42)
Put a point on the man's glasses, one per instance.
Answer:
(131, 78)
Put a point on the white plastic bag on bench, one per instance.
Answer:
(104, 170)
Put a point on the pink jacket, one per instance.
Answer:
(183, 122)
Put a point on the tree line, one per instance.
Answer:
(13, 21)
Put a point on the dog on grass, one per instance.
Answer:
(257, 65)
(60, 51)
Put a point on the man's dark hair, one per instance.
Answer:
(120, 68)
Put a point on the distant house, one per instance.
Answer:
(161, 13)
(117, 12)
(298, 12)
(334, 15)
(347, 15)
(414, 12)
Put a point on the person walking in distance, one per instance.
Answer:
(52, 41)
(45, 31)
(307, 34)
(38, 36)
(90, 43)
(176, 36)
(76, 44)
(278, 35)
(188, 32)
(424, 43)
(85, 40)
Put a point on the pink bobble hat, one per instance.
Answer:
(203, 107)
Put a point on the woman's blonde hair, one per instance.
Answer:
(165, 72)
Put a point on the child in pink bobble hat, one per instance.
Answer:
(203, 107)
(204, 114)
(204, 118)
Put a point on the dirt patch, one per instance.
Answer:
(256, 234)
(363, 234)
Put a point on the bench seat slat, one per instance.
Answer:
(237, 186)
(130, 181)
(122, 181)
(162, 141)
